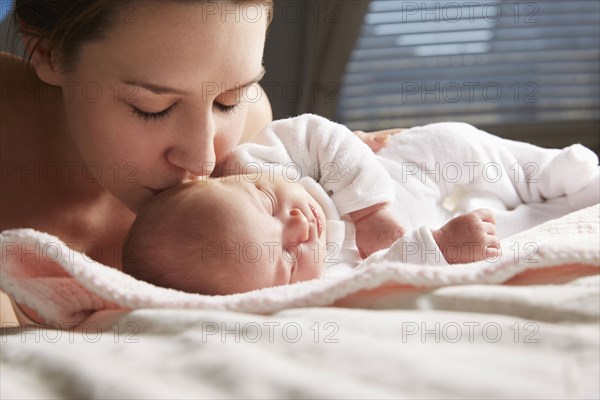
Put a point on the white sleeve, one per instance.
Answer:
(417, 246)
(328, 152)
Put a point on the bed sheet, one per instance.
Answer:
(516, 340)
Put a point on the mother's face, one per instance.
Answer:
(158, 101)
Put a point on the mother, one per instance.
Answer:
(124, 99)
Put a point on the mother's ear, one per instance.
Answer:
(44, 60)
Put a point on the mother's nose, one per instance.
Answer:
(192, 148)
(297, 227)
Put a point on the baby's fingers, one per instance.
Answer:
(492, 249)
(490, 228)
(491, 254)
(492, 241)
(486, 215)
(377, 140)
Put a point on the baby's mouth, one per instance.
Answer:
(318, 219)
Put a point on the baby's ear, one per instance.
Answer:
(44, 59)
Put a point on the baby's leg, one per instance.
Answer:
(538, 175)
(458, 154)
(569, 172)
(469, 237)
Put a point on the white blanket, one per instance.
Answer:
(65, 287)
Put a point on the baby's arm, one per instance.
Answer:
(330, 154)
(376, 228)
(469, 237)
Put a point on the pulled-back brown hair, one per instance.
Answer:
(69, 24)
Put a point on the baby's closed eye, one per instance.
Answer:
(270, 202)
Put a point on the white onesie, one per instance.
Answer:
(417, 173)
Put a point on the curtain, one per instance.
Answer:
(331, 35)
(308, 46)
(524, 69)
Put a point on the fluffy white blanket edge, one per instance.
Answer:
(65, 287)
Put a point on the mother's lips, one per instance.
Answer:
(172, 185)
(318, 219)
(154, 191)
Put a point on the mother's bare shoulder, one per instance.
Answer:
(8, 60)
(18, 86)
(14, 71)
(13, 83)
(21, 86)
(28, 104)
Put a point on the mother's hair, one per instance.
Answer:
(69, 24)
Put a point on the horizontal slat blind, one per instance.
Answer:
(483, 62)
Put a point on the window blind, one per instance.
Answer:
(483, 62)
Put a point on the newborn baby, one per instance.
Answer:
(245, 232)
(318, 196)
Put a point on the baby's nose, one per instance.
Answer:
(297, 228)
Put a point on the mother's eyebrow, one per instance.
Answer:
(254, 80)
(157, 89)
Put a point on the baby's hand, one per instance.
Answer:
(375, 230)
(468, 238)
(379, 139)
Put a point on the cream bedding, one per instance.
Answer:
(337, 353)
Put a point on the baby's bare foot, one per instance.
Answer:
(469, 237)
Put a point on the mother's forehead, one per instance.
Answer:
(176, 44)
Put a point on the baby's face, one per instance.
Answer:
(275, 232)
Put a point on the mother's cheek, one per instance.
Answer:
(230, 133)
